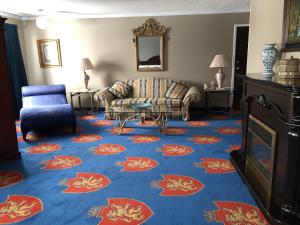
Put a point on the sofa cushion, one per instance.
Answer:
(176, 90)
(174, 102)
(150, 87)
(120, 89)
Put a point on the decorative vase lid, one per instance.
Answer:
(291, 60)
(289, 68)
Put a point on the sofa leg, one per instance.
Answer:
(186, 116)
(74, 129)
(24, 134)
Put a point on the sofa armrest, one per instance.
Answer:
(104, 95)
(193, 95)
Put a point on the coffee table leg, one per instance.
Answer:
(163, 123)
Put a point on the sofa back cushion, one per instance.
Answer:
(176, 90)
(150, 87)
(120, 89)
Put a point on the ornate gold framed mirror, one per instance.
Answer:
(149, 45)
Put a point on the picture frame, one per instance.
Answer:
(291, 26)
(49, 53)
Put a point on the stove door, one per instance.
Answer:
(260, 158)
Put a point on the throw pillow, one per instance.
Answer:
(120, 89)
(176, 90)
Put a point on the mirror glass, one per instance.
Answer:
(149, 53)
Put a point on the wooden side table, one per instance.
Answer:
(227, 92)
(81, 92)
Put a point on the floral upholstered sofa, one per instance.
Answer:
(153, 90)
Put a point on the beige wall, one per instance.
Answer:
(192, 43)
(266, 25)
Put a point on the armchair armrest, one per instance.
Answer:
(193, 95)
(104, 95)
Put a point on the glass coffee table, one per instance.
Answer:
(144, 111)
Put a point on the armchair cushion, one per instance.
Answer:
(120, 89)
(45, 106)
(176, 90)
(37, 117)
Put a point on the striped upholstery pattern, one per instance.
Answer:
(151, 90)
(174, 102)
(176, 90)
(120, 89)
(150, 87)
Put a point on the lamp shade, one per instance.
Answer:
(86, 64)
(219, 61)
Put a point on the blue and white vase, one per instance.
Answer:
(269, 57)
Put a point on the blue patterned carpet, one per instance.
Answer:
(140, 177)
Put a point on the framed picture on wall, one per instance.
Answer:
(291, 26)
(49, 53)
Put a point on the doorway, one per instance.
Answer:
(239, 62)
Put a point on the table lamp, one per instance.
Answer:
(86, 65)
(220, 62)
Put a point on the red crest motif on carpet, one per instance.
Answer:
(102, 123)
(233, 148)
(121, 211)
(228, 130)
(177, 185)
(138, 164)
(9, 178)
(86, 138)
(44, 148)
(229, 213)
(118, 130)
(29, 137)
(61, 162)
(176, 150)
(148, 123)
(216, 165)
(198, 123)
(18, 129)
(175, 130)
(108, 149)
(88, 117)
(85, 182)
(17, 208)
(141, 138)
(238, 122)
(205, 139)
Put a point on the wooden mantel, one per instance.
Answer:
(275, 104)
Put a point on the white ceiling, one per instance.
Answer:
(30, 9)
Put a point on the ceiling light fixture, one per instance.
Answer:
(42, 21)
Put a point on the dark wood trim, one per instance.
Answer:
(8, 137)
(287, 47)
(278, 107)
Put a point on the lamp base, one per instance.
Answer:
(86, 79)
(220, 76)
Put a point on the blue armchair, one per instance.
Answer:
(45, 106)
